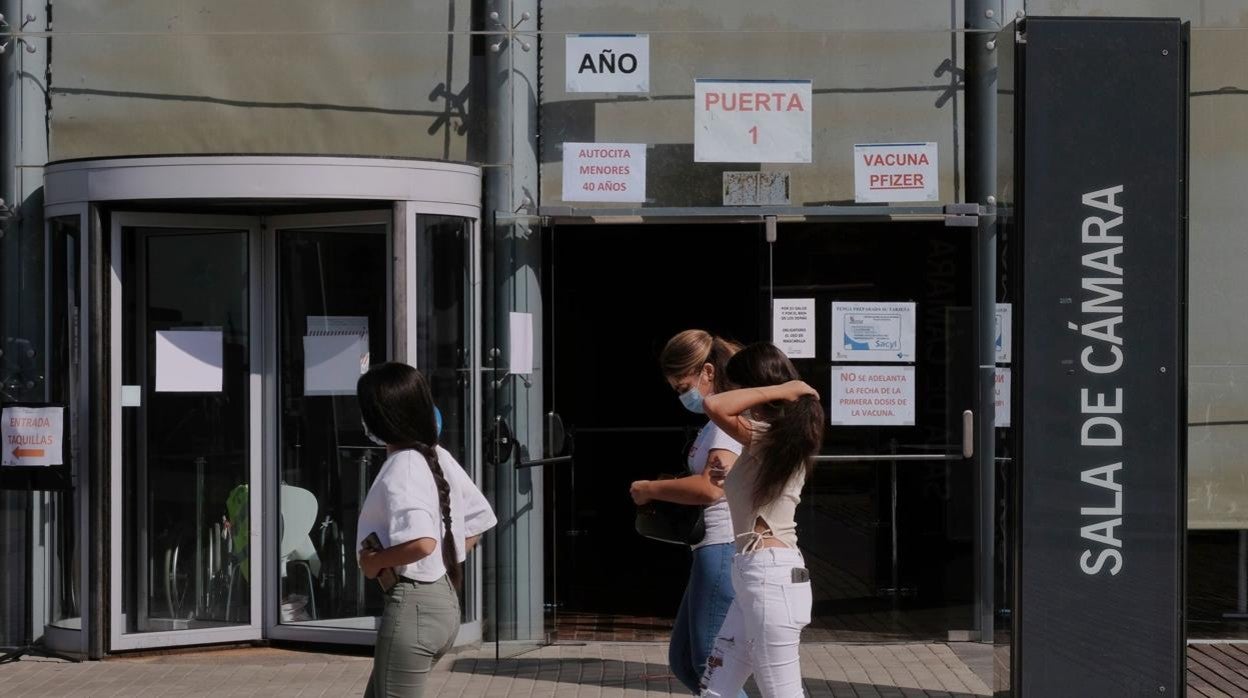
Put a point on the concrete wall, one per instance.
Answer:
(386, 77)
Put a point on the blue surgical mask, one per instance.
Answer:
(692, 400)
(437, 415)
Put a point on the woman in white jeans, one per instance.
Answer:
(780, 421)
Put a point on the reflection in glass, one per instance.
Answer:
(332, 312)
(892, 556)
(185, 452)
(444, 341)
(62, 572)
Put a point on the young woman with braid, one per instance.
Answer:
(427, 514)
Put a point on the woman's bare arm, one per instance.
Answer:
(725, 408)
(372, 562)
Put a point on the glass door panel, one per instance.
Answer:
(185, 446)
(892, 504)
(445, 350)
(333, 321)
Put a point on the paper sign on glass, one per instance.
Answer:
(32, 436)
(189, 360)
(793, 327)
(604, 172)
(888, 172)
(872, 395)
(873, 332)
(335, 354)
(337, 324)
(1001, 396)
(520, 344)
(607, 63)
(752, 120)
(1004, 330)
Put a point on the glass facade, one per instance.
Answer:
(186, 442)
(485, 83)
(326, 280)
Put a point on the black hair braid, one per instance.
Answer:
(450, 556)
(396, 406)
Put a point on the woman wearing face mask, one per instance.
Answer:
(693, 363)
(427, 515)
(780, 421)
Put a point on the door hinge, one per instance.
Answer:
(962, 215)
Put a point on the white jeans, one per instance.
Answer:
(763, 628)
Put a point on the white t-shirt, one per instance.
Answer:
(402, 505)
(715, 517)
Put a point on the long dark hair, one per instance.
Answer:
(397, 408)
(795, 429)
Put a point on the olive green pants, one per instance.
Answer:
(418, 626)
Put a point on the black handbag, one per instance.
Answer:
(666, 522)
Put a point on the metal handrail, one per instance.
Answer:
(845, 457)
(543, 461)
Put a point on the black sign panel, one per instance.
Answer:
(1103, 389)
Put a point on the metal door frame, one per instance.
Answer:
(119, 639)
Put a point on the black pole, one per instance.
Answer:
(96, 463)
(28, 636)
(981, 181)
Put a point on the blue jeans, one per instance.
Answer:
(702, 611)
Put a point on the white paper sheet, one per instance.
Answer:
(1001, 393)
(793, 327)
(337, 324)
(872, 395)
(32, 436)
(332, 364)
(873, 332)
(1005, 332)
(189, 361)
(335, 354)
(520, 344)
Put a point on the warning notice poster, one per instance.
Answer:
(872, 395)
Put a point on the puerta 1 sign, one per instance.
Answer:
(1102, 394)
(752, 120)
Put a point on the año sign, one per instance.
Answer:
(752, 120)
(888, 172)
(608, 63)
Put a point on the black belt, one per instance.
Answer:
(409, 580)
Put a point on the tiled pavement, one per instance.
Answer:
(595, 669)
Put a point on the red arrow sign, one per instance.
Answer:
(28, 452)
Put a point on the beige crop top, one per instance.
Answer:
(778, 514)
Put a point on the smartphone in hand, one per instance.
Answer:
(387, 577)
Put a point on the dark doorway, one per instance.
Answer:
(615, 294)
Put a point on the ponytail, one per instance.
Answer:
(450, 555)
(689, 351)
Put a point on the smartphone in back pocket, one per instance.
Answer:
(800, 575)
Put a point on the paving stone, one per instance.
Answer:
(595, 670)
